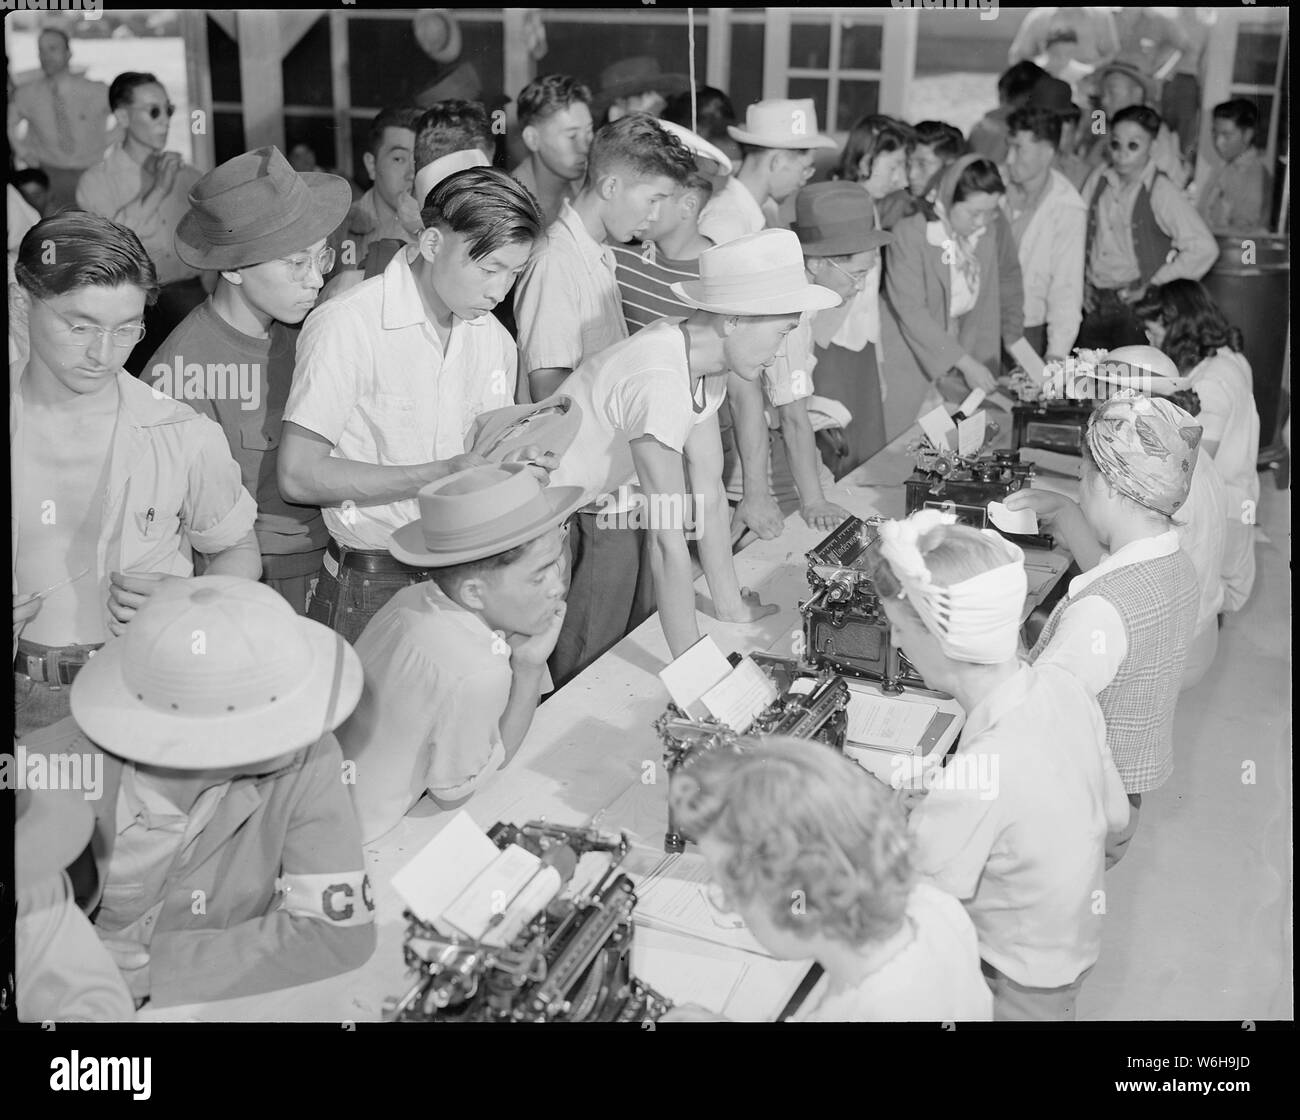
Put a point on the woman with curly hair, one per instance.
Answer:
(1182, 320)
(813, 853)
(1015, 824)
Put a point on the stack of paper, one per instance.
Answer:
(887, 723)
(702, 683)
(675, 897)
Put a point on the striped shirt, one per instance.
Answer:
(644, 275)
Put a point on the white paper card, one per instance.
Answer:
(970, 434)
(443, 868)
(939, 429)
(1002, 401)
(740, 696)
(492, 892)
(1028, 358)
(887, 723)
(690, 676)
(1013, 520)
(677, 900)
(971, 403)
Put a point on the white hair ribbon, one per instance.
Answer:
(976, 620)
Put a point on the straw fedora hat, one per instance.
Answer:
(835, 220)
(781, 123)
(256, 207)
(479, 512)
(712, 160)
(759, 274)
(216, 671)
(438, 33)
(51, 828)
(1132, 69)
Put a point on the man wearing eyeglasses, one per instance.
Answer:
(114, 488)
(145, 188)
(261, 228)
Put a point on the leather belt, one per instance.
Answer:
(54, 665)
(374, 562)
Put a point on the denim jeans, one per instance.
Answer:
(346, 602)
(37, 704)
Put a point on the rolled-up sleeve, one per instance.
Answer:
(218, 512)
(1194, 245)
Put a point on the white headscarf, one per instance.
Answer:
(976, 620)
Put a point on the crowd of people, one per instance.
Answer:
(310, 480)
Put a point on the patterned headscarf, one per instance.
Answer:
(963, 265)
(1145, 448)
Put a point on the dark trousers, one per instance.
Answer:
(1016, 1003)
(346, 602)
(1110, 324)
(293, 575)
(611, 592)
(175, 301)
(37, 704)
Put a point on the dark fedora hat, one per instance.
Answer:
(630, 76)
(836, 220)
(1051, 94)
(256, 207)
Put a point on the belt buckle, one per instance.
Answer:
(35, 666)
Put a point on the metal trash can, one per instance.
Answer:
(1254, 297)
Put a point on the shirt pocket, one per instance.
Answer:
(394, 423)
(151, 542)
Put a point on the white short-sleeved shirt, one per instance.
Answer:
(567, 302)
(640, 387)
(1016, 825)
(1224, 384)
(437, 683)
(733, 212)
(372, 378)
(936, 978)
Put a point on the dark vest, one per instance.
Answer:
(1150, 242)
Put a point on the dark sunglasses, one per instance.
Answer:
(1132, 145)
(156, 111)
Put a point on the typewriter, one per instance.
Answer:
(570, 962)
(1050, 425)
(810, 704)
(844, 623)
(964, 485)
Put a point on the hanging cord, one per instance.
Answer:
(690, 38)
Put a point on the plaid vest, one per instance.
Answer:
(1156, 599)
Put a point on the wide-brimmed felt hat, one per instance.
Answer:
(835, 220)
(629, 76)
(1051, 94)
(1130, 68)
(458, 81)
(711, 159)
(51, 828)
(216, 671)
(479, 512)
(759, 274)
(781, 123)
(255, 208)
(549, 425)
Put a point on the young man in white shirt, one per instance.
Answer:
(555, 122)
(454, 667)
(649, 409)
(567, 304)
(389, 379)
(1049, 222)
(777, 145)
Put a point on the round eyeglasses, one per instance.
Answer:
(156, 111)
(300, 266)
(87, 334)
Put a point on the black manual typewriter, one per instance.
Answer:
(570, 962)
(1050, 425)
(810, 704)
(964, 485)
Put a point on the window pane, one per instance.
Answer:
(810, 46)
(318, 133)
(746, 82)
(387, 66)
(306, 69)
(815, 88)
(860, 45)
(223, 64)
(958, 60)
(586, 49)
(1256, 61)
(857, 99)
(227, 136)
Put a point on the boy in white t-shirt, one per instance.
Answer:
(649, 408)
(813, 853)
(1015, 824)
